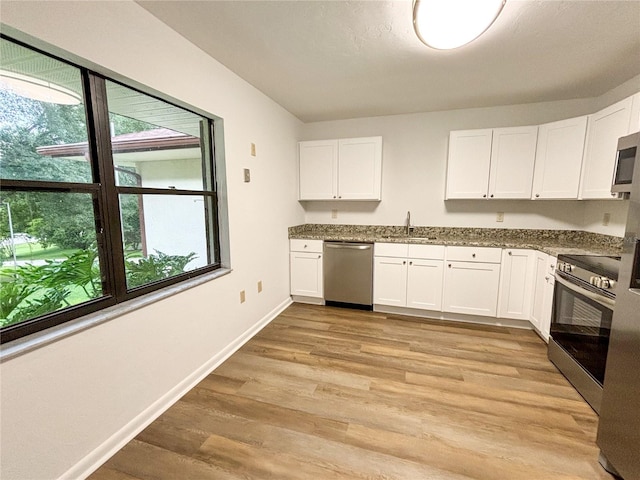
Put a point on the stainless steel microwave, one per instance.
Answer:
(628, 155)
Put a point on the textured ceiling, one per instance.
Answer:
(325, 60)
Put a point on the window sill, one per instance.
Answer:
(40, 339)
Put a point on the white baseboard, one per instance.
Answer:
(113, 444)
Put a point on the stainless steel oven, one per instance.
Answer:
(584, 298)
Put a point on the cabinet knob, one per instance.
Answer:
(404, 262)
(334, 196)
(473, 255)
(491, 195)
(305, 246)
(509, 253)
(547, 278)
(319, 256)
(410, 263)
(449, 265)
(484, 196)
(339, 196)
(537, 195)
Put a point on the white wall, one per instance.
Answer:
(62, 401)
(414, 168)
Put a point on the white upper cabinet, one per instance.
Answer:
(346, 169)
(513, 153)
(491, 163)
(605, 127)
(634, 126)
(469, 162)
(360, 168)
(318, 169)
(559, 159)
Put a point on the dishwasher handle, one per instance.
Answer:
(350, 247)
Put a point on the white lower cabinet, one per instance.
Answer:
(471, 288)
(516, 279)
(411, 279)
(471, 280)
(305, 267)
(542, 295)
(424, 284)
(390, 284)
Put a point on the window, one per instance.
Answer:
(106, 193)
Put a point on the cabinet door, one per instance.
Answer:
(306, 274)
(468, 163)
(547, 308)
(471, 288)
(634, 125)
(605, 127)
(360, 168)
(559, 159)
(390, 281)
(516, 277)
(318, 170)
(513, 153)
(540, 278)
(424, 284)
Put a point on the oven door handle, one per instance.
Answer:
(600, 299)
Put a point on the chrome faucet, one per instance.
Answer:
(408, 227)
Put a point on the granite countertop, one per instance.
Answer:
(553, 242)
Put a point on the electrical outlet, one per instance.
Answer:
(334, 213)
(247, 175)
(243, 296)
(606, 218)
(253, 149)
(500, 217)
(259, 286)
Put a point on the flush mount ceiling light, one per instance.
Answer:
(447, 24)
(37, 89)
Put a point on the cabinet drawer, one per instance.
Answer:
(426, 252)
(391, 250)
(474, 254)
(301, 245)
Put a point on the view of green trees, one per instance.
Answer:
(60, 222)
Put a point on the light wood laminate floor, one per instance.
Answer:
(329, 393)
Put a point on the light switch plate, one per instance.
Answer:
(243, 296)
(247, 175)
(500, 217)
(253, 149)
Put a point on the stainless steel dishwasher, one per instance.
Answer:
(348, 273)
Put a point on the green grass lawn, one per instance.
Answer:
(34, 251)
